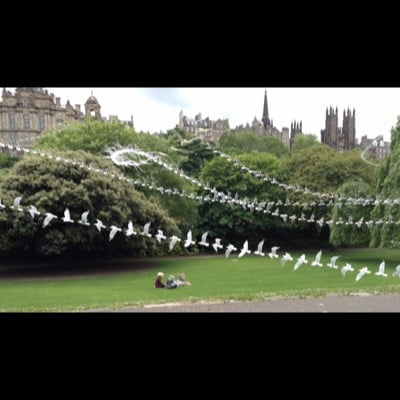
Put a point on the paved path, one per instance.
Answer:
(360, 302)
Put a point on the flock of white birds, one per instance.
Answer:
(130, 230)
(121, 157)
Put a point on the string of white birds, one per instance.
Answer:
(190, 241)
(119, 156)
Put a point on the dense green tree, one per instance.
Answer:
(52, 186)
(234, 222)
(196, 153)
(387, 232)
(322, 169)
(273, 145)
(303, 141)
(241, 142)
(7, 161)
(348, 233)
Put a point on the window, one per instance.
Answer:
(42, 124)
(13, 138)
(26, 122)
(27, 139)
(11, 121)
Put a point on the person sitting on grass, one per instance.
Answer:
(171, 283)
(181, 281)
(159, 283)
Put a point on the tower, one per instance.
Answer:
(92, 107)
(267, 123)
(330, 135)
(349, 129)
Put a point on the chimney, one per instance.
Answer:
(58, 101)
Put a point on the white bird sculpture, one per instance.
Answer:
(99, 225)
(172, 243)
(203, 241)
(67, 216)
(301, 260)
(397, 271)
(317, 261)
(381, 271)
(83, 220)
(113, 232)
(332, 263)
(33, 211)
(286, 257)
(259, 251)
(245, 249)
(217, 244)
(272, 253)
(160, 236)
(189, 241)
(49, 217)
(130, 231)
(362, 272)
(229, 250)
(347, 268)
(145, 231)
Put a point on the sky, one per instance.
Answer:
(157, 109)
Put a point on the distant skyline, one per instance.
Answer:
(157, 109)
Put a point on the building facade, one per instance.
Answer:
(30, 111)
(378, 149)
(339, 138)
(206, 129)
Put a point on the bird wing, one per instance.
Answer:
(146, 228)
(17, 201)
(84, 216)
(382, 267)
(260, 246)
(204, 237)
(298, 263)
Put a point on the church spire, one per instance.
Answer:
(265, 118)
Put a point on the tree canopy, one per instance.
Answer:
(52, 186)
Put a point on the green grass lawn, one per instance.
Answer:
(248, 278)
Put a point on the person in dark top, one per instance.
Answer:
(159, 283)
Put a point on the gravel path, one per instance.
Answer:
(359, 302)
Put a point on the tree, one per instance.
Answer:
(52, 186)
(322, 169)
(303, 141)
(235, 222)
(387, 232)
(348, 233)
(91, 135)
(273, 145)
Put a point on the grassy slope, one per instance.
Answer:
(250, 277)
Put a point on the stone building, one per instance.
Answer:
(339, 138)
(378, 149)
(206, 129)
(28, 112)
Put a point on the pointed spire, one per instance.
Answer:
(265, 118)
